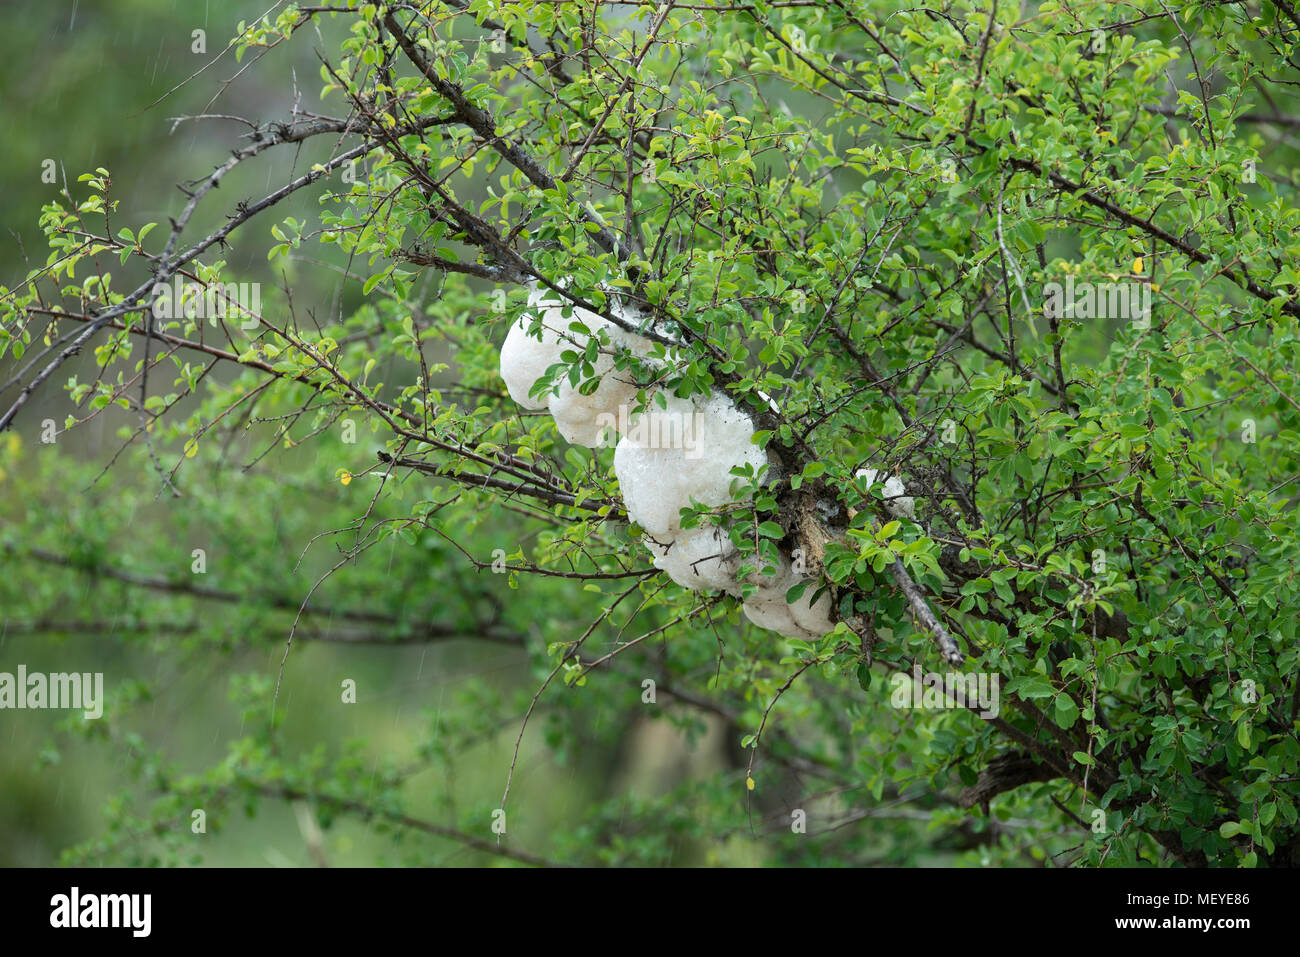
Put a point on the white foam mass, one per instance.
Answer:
(799, 619)
(773, 614)
(814, 617)
(894, 493)
(666, 459)
(685, 451)
(698, 559)
(581, 419)
(802, 618)
(524, 360)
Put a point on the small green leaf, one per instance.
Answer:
(1067, 712)
(864, 676)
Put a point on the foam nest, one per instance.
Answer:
(675, 454)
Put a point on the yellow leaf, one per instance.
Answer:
(749, 783)
(345, 478)
(1137, 266)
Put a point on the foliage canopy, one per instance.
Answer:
(857, 208)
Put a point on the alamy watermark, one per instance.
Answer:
(1130, 300)
(933, 691)
(214, 300)
(59, 690)
(130, 911)
(655, 429)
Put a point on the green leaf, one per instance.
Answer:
(864, 676)
(1067, 712)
